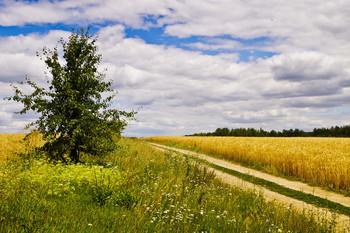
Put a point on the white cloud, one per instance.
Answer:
(80, 12)
(186, 91)
(216, 44)
(307, 66)
(18, 55)
(31, 43)
(16, 66)
(296, 25)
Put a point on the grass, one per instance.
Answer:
(308, 198)
(136, 189)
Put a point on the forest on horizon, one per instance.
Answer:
(334, 131)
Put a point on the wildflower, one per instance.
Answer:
(90, 225)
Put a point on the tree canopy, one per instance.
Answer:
(75, 117)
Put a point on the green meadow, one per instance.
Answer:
(135, 189)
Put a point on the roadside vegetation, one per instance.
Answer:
(135, 189)
(324, 162)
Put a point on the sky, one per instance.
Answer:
(190, 66)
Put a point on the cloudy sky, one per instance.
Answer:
(195, 65)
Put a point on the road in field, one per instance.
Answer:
(343, 220)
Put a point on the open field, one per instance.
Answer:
(136, 189)
(323, 162)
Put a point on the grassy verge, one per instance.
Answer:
(136, 189)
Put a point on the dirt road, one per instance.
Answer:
(343, 221)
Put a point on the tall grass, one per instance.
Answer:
(136, 189)
(319, 161)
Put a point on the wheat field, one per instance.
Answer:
(12, 144)
(319, 161)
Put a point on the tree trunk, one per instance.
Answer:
(74, 155)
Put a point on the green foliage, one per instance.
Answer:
(123, 198)
(75, 117)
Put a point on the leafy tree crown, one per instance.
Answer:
(74, 117)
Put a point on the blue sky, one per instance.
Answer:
(195, 65)
(155, 35)
(158, 37)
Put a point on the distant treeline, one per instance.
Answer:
(336, 131)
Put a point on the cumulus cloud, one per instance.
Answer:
(15, 67)
(18, 55)
(80, 12)
(9, 122)
(182, 90)
(307, 66)
(32, 43)
(152, 73)
(216, 44)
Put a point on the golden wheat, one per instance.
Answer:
(12, 144)
(320, 161)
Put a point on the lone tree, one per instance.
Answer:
(75, 118)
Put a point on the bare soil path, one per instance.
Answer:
(343, 221)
